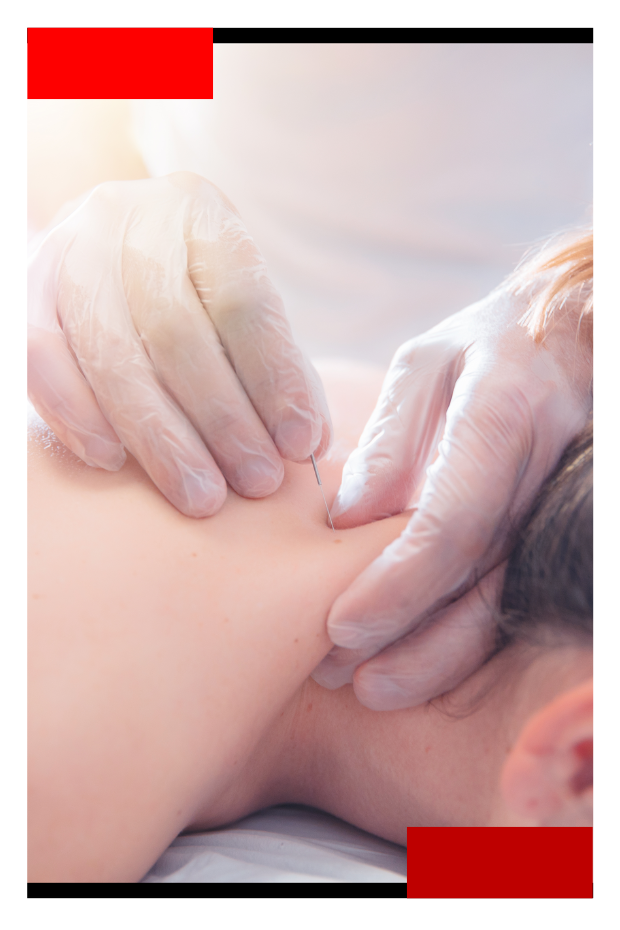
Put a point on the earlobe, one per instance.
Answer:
(547, 778)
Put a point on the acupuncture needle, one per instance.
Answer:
(318, 478)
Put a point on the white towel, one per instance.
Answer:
(288, 843)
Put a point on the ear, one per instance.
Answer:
(547, 778)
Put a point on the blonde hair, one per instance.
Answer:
(559, 277)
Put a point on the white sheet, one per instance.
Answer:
(288, 843)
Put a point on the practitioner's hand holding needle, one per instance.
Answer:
(153, 326)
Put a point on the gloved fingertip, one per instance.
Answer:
(115, 459)
(327, 438)
(295, 440)
(335, 670)
(349, 495)
(345, 633)
(97, 451)
(198, 495)
(359, 501)
(376, 690)
(343, 519)
(330, 679)
(258, 477)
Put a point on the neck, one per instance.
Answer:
(434, 765)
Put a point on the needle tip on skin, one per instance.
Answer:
(327, 508)
(318, 478)
(328, 513)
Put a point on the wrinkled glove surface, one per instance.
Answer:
(153, 326)
(486, 413)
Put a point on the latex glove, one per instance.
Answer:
(153, 325)
(504, 409)
(447, 646)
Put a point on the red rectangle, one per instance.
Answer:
(499, 862)
(106, 64)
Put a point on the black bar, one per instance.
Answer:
(219, 890)
(448, 35)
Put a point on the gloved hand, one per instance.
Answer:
(504, 408)
(153, 325)
(447, 646)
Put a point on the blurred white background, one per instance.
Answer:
(387, 186)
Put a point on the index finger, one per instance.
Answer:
(230, 277)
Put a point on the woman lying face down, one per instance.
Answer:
(170, 662)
